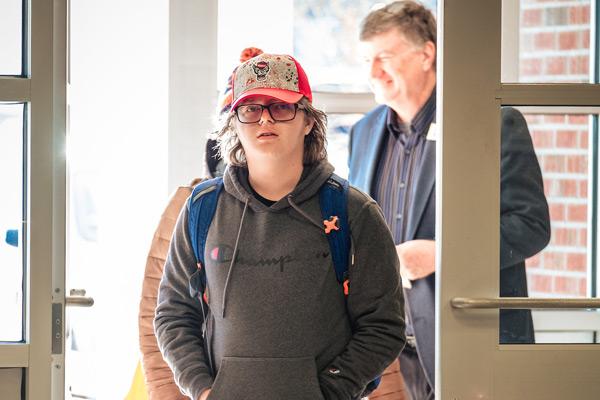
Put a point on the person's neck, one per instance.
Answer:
(274, 180)
(407, 108)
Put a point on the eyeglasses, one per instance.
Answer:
(280, 112)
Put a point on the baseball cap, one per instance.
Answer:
(227, 95)
(278, 76)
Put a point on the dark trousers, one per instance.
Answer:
(414, 375)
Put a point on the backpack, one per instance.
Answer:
(333, 199)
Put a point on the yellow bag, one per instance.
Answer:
(138, 386)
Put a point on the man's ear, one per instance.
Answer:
(428, 55)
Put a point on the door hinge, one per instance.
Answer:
(57, 328)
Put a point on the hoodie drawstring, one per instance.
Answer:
(235, 250)
(305, 215)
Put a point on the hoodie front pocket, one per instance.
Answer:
(267, 378)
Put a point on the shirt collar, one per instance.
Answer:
(419, 123)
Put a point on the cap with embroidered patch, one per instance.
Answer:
(278, 76)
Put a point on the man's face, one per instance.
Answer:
(397, 69)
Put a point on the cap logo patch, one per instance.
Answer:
(264, 72)
(261, 69)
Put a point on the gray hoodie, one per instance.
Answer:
(280, 326)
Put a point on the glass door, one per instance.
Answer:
(545, 64)
(32, 175)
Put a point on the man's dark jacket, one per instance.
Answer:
(524, 221)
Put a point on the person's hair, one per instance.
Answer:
(411, 18)
(232, 151)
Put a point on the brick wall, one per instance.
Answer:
(554, 40)
(554, 47)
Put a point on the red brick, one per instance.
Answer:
(576, 262)
(557, 212)
(577, 164)
(531, 18)
(533, 262)
(556, 16)
(577, 213)
(554, 163)
(578, 119)
(556, 65)
(579, 65)
(566, 285)
(579, 15)
(568, 40)
(564, 237)
(583, 287)
(532, 66)
(583, 237)
(550, 187)
(583, 140)
(555, 118)
(542, 139)
(544, 41)
(585, 39)
(540, 283)
(566, 139)
(568, 188)
(583, 189)
(553, 260)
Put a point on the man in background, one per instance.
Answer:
(392, 157)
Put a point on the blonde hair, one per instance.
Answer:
(232, 151)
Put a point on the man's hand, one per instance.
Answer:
(204, 395)
(417, 260)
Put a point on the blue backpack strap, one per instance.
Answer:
(202, 205)
(333, 198)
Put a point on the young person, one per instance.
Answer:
(159, 383)
(280, 325)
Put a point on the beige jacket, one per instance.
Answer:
(159, 378)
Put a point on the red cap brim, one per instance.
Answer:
(280, 94)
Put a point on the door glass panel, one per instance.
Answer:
(565, 267)
(10, 383)
(549, 41)
(11, 32)
(11, 217)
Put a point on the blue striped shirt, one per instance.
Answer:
(397, 170)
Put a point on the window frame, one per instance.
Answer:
(42, 87)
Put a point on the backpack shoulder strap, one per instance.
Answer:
(202, 205)
(333, 199)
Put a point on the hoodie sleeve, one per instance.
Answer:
(375, 307)
(178, 320)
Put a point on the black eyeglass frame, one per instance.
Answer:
(268, 107)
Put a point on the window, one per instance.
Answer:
(552, 43)
(11, 217)
(11, 31)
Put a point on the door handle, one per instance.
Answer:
(524, 303)
(77, 298)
